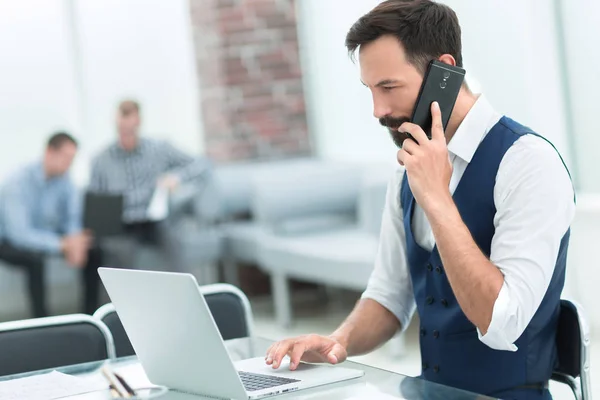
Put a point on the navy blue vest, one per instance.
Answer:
(451, 351)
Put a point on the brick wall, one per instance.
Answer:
(250, 79)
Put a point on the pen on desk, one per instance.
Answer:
(114, 392)
(125, 384)
(115, 383)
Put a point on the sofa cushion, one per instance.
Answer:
(241, 239)
(342, 257)
(228, 191)
(371, 203)
(200, 244)
(331, 189)
(313, 224)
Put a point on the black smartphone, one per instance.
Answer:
(441, 83)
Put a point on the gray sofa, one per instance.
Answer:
(339, 255)
(231, 203)
(307, 219)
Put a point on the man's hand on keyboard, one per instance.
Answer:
(308, 348)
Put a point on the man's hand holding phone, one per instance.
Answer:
(427, 164)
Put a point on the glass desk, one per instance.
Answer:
(375, 384)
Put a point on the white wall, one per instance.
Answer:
(67, 63)
(339, 107)
(37, 92)
(513, 63)
(582, 33)
(514, 56)
(141, 49)
(582, 37)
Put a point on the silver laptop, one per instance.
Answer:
(178, 343)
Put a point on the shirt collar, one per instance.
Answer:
(38, 174)
(473, 129)
(118, 150)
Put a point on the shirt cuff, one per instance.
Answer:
(53, 245)
(73, 229)
(403, 314)
(495, 336)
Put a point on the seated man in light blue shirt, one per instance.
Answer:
(40, 216)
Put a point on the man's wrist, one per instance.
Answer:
(439, 207)
(342, 337)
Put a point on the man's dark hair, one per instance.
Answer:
(425, 29)
(58, 139)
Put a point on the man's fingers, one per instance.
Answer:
(402, 155)
(415, 131)
(337, 354)
(297, 351)
(311, 348)
(271, 353)
(268, 352)
(410, 147)
(281, 351)
(437, 128)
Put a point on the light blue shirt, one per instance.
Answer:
(35, 212)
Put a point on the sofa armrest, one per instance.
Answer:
(332, 189)
(228, 191)
(371, 203)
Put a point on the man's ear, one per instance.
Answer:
(447, 59)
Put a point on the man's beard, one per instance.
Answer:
(393, 124)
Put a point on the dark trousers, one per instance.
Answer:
(34, 263)
(147, 232)
(162, 235)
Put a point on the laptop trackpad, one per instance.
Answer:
(314, 373)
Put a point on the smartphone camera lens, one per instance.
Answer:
(446, 75)
(443, 85)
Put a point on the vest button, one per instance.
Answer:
(436, 334)
(425, 366)
(436, 369)
(445, 302)
(429, 267)
(438, 270)
(423, 332)
(429, 300)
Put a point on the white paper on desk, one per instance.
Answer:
(135, 376)
(159, 205)
(53, 385)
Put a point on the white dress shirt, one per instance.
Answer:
(533, 196)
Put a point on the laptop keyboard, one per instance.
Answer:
(253, 382)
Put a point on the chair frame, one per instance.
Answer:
(214, 288)
(582, 388)
(60, 320)
(217, 288)
(101, 313)
(104, 310)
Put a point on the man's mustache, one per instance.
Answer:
(393, 124)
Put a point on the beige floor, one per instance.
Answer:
(312, 316)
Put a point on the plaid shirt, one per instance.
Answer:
(135, 174)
